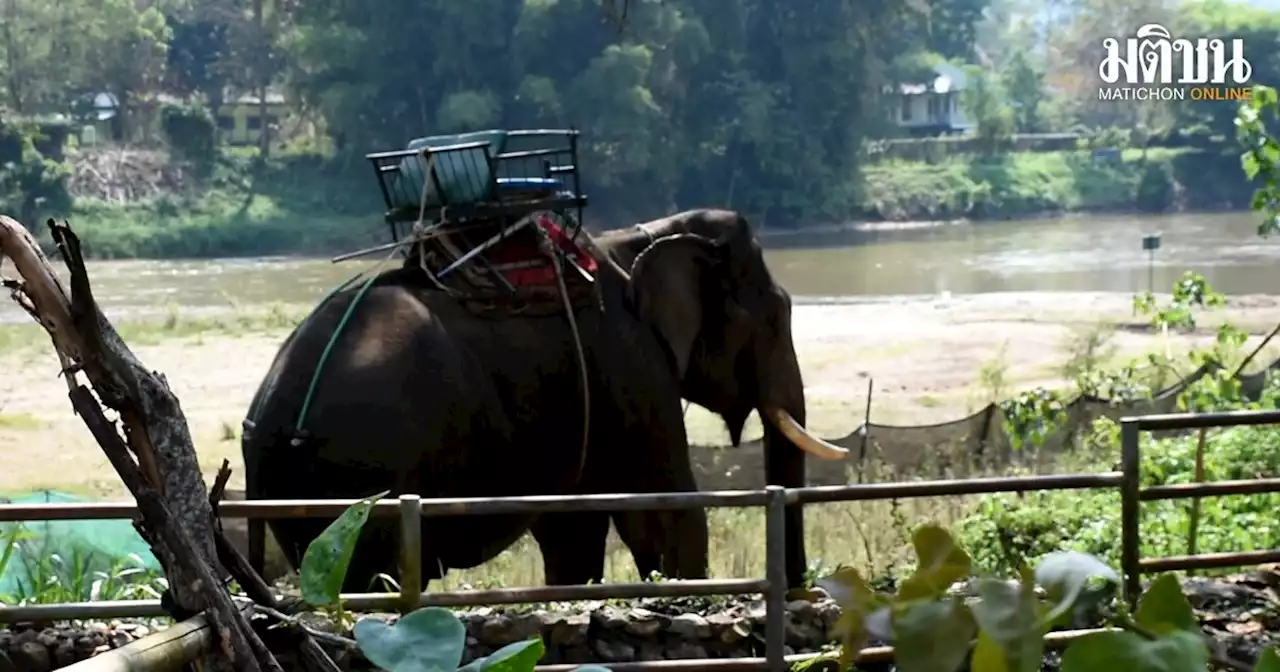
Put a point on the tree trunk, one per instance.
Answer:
(177, 517)
(14, 80)
(261, 70)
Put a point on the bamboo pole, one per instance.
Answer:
(165, 651)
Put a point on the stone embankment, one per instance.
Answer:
(35, 647)
(1242, 614)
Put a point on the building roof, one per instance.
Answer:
(949, 78)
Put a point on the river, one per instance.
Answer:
(1077, 253)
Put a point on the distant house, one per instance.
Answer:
(101, 123)
(240, 119)
(933, 108)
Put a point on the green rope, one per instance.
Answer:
(324, 356)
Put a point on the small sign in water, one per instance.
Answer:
(1151, 242)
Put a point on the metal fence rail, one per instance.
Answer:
(1132, 494)
(411, 509)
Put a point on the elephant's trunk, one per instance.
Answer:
(784, 466)
(786, 441)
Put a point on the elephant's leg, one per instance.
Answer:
(646, 450)
(573, 546)
(673, 543)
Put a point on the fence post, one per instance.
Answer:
(410, 552)
(1130, 514)
(775, 571)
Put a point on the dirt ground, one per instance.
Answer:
(924, 358)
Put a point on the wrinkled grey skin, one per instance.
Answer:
(421, 396)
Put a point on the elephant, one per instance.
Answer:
(421, 395)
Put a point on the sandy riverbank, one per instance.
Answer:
(923, 356)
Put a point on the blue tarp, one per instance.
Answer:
(101, 544)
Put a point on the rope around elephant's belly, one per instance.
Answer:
(548, 248)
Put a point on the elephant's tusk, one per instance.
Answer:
(800, 436)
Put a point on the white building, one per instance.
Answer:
(934, 107)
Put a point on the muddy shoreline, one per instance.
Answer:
(877, 225)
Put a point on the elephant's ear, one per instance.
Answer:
(666, 289)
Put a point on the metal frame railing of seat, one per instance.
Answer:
(483, 189)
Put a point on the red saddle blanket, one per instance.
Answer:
(522, 248)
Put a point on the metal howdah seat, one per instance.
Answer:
(471, 192)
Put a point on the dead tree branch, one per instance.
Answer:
(153, 452)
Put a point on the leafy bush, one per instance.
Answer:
(30, 184)
(425, 640)
(1008, 530)
(935, 630)
(1156, 187)
(192, 135)
(51, 578)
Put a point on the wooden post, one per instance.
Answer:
(1193, 522)
(866, 431)
(410, 552)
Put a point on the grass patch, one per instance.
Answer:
(20, 421)
(872, 536)
(48, 575)
(928, 401)
(1030, 183)
(238, 322)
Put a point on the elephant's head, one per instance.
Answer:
(702, 283)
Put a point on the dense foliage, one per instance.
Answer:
(762, 106)
(30, 183)
(935, 629)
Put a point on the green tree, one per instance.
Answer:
(1024, 83)
(985, 102)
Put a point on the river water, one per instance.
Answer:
(1078, 253)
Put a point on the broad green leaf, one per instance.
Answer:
(514, 657)
(856, 600)
(879, 623)
(1249, 162)
(1268, 661)
(987, 656)
(939, 563)
(324, 565)
(1008, 613)
(849, 590)
(1122, 650)
(1065, 577)
(932, 636)
(427, 640)
(1270, 153)
(1163, 608)
(1263, 96)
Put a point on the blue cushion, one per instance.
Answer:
(530, 183)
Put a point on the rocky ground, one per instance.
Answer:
(1240, 613)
